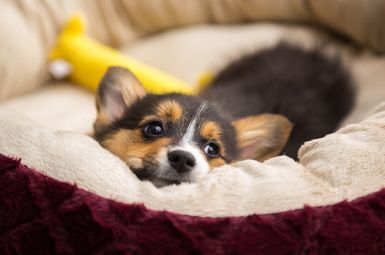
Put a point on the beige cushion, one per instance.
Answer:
(351, 159)
(22, 56)
(58, 106)
(28, 29)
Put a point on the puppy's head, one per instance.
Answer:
(176, 138)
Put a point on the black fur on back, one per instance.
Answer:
(313, 91)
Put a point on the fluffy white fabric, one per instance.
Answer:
(351, 159)
(343, 165)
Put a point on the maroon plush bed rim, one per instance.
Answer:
(39, 215)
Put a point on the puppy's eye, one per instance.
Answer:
(211, 150)
(153, 129)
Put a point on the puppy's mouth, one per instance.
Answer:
(169, 178)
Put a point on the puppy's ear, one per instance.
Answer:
(118, 89)
(263, 136)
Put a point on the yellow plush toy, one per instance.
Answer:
(86, 60)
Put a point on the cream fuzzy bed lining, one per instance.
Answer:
(344, 165)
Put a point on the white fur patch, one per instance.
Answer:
(188, 136)
(201, 167)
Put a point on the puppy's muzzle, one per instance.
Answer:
(181, 161)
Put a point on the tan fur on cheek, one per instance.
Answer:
(130, 147)
(216, 162)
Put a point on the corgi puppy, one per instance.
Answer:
(248, 112)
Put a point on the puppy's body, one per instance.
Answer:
(243, 114)
(314, 92)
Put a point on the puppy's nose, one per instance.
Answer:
(181, 161)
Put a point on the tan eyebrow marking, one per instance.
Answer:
(169, 110)
(211, 131)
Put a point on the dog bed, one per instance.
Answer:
(43, 216)
(70, 196)
(61, 193)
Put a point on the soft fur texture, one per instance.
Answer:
(313, 91)
(40, 215)
(202, 135)
(344, 165)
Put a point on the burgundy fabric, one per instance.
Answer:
(39, 215)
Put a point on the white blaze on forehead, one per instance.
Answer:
(190, 131)
(187, 144)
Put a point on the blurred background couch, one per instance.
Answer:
(184, 38)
